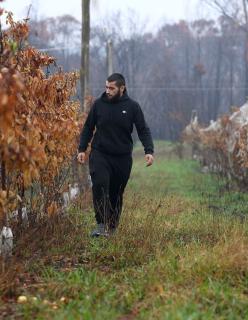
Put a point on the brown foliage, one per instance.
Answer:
(224, 144)
(38, 121)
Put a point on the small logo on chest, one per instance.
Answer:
(124, 111)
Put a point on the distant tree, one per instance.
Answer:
(236, 12)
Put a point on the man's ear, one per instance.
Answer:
(122, 89)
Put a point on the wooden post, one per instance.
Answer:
(109, 57)
(85, 50)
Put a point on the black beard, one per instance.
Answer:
(115, 98)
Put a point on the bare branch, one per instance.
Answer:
(221, 7)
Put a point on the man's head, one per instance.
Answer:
(115, 86)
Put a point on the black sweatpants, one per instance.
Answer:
(109, 175)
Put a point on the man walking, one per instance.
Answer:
(112, 117)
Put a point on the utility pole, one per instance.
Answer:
(84, 80)
(109, 57)
(85, 52)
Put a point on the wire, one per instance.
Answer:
(179, 88)
(58, 48)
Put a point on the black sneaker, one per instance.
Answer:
(99, 231)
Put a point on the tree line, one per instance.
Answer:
(184, 66)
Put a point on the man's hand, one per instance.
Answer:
(81, 157)
(149, 159)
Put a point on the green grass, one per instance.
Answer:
(181, 252)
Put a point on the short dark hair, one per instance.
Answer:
(118, 78)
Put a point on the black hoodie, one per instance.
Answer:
(113, 121)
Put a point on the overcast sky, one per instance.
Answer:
(151, 12)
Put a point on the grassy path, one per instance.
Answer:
(181, 252)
